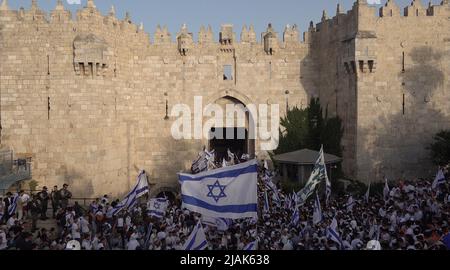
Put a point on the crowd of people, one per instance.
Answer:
(413, 216)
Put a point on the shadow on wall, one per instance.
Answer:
(76, 181)
(396, 144)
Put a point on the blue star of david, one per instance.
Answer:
(156, 205)
(213, 194)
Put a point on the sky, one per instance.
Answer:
(195, 13)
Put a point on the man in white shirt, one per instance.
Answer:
(22, 206)
(84, 224)
(133, 243)
(76, 230)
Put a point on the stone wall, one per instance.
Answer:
(86, 98)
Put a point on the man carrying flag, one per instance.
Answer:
(197, 239)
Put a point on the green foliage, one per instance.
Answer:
(309, 128)
(440, 148)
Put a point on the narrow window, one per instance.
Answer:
(270, 70)
(227, 73)
(48, 64)
(361, 66)
(403, 62)
(403, 104)
(371, 62)
(48, 108)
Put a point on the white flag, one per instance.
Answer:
(333, 234)
(250, 246)
(138, 191)
(386, 190)
(229, 192)
(366, 196)
(197, 239)
(440, 179)
(317, 215)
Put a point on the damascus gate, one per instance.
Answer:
(87, 97)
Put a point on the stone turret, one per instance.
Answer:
(244, 34)
(162, 36)
(390, 9)
(270, 39)
(205, 36)
(290, 35)
(59, 13)
(252, 34)
(35, 13)
(227, 36)
(184, 40)
(415, 9)
(440, 10)
(4, 6)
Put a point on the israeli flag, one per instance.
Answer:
(319, 173)
(317, 215)
(366, 196)
(251, 246)
(332, 233)
(148, 235)
(440, 179)
(295, 217)
(138, 191)
(222, 224)
(229, 192)
(350, 204)
(157, 207)
(266, 203)
(327, 189)
(197, 239)
(386, 190)
(13, 206)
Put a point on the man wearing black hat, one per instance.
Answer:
(8, 201)
(43, 198)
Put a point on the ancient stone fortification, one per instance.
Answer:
(87, 97)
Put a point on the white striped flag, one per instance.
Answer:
(317, 214)
(250, 246)
(13, 206)
(439, 179)
(366, 196)
(197, 239)
(332, 233)
(157, 207)
(327, 190)
(386, 190)
(138, 191)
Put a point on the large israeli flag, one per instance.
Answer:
(197, 239)
(138, 191)
(229, 192)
